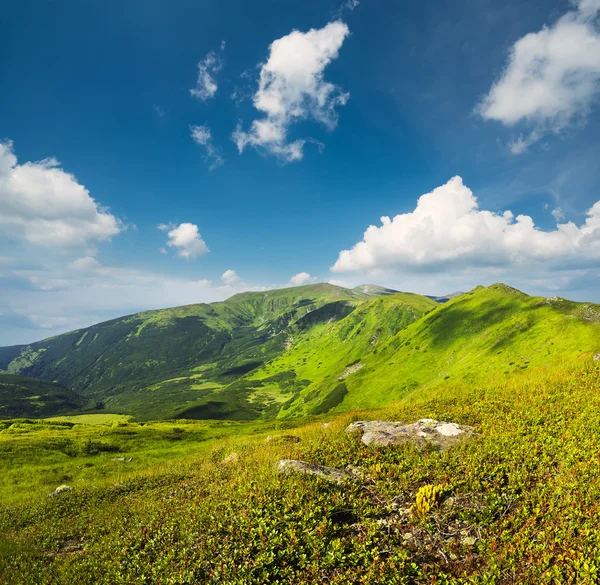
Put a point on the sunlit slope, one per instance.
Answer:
(487, 334)
(26, 397)
(157, 362)
(329, 353)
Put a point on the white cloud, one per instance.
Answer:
(47, 206)
(552, 77)
(85, 264)
(291, 88)
(206, 85)
(300, 279)
(186, 239)
(349, 6)
(448, 230)
(203, 136)
(230, 277)
(558, 214)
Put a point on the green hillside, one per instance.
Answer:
(489, 333)
(158, 363)
(307, 350)
(20, 396)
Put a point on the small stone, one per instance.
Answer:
(231, 458)
(329, 473)
(597, 357)
(61, 489)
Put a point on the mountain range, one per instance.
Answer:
(293, 352)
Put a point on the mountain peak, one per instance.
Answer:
(374, 290)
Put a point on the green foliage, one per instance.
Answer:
(520, 501)
(26, 397)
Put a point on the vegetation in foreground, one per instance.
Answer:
(519, 504)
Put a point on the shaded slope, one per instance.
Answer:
(151, 363)
(26, 397)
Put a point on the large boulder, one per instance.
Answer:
(426, 431)
(329, 473)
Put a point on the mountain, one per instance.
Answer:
(374, 290)
(26, 397)
(445, 298)
(490, 333)
(307, 350)
(157, 363)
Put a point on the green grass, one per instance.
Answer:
(91, 419)
(520, 502)
(488, 334)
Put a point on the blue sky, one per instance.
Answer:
(361, 111)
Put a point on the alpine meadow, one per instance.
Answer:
(300, 293)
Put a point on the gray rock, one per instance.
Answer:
(426, 431)
(329, 473)
(60, 490)
(597, 357)
(283, 439)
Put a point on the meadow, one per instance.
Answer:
(203, 502)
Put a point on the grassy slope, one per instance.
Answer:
(20, 396)
(324, 355)
(487, 334)
(310, 350)
(520, 507)
(153, 364)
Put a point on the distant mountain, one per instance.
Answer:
(374, 290)
(305, 350)
(445, 298)
(495, 332)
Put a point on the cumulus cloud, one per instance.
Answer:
(186, 239)
(300, 279)
(47, 206)
(203, 136)
(206, 85)
(552, 77)
(447, 229)
(230, 277)
(292, 87)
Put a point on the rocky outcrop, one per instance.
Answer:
(350, 370)
(334, 474)
(426, 431)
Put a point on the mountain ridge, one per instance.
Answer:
(304, 350)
